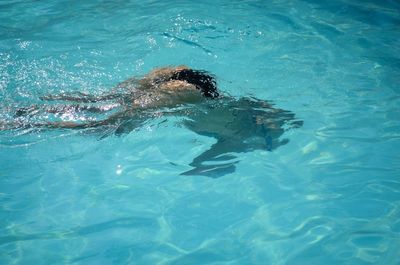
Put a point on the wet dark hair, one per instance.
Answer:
(201, 79)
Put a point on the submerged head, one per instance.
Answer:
(200, 79)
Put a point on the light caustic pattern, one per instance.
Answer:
(330, 195)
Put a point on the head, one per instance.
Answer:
(200, 79)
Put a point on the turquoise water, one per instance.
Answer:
(329, 196)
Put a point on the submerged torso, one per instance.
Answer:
(156, 91)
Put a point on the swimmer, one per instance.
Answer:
(238, 125)
(165, 87)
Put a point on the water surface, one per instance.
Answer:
(329, 196)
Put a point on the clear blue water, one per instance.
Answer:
(329, 196)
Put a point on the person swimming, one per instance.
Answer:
(165, 87)
(238, 125)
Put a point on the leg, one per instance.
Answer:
(59, 109)
(114, 119)
(69, 125)
(79, 108)
(80, 97)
